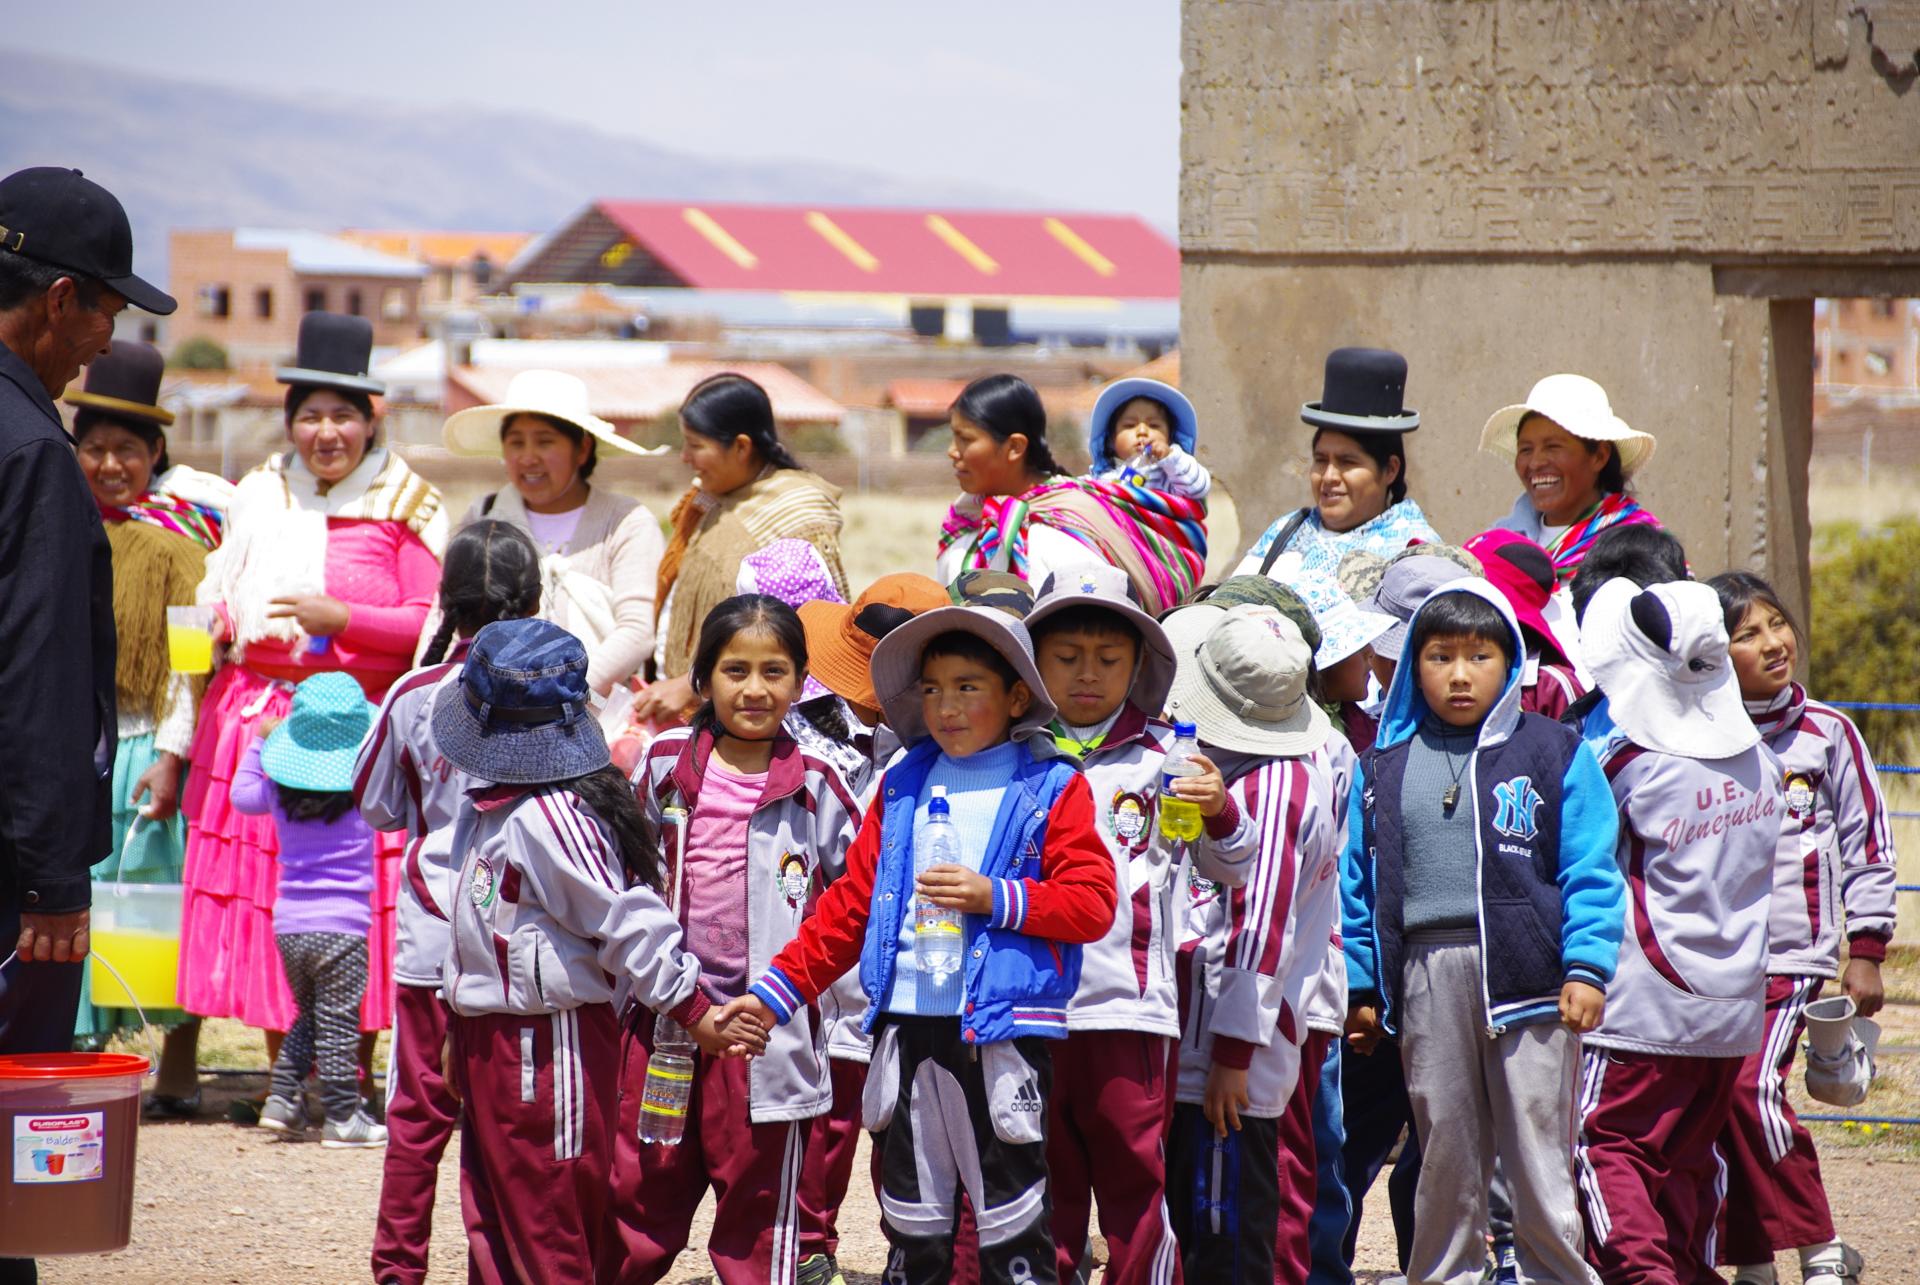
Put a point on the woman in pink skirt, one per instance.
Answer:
(330, 563)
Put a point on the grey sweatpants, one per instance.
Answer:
(1474, 1096)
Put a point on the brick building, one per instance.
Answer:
(461, 266)
(246, 288)
(1867, 343)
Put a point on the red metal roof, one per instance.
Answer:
(840, 250)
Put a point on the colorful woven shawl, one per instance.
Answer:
(1616, 508)
(198, 522)
(1159, 539)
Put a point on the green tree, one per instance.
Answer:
(1865, 631)
(199, 353)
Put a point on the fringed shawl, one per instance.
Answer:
(153, 569)
(711, 534)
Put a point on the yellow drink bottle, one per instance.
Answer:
(1180, 819)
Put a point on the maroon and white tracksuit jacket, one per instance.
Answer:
(1836, 848)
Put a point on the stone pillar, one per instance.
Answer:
(1502, 189)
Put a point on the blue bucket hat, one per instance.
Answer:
(1186, 425)
(315, 747)
(518, 715)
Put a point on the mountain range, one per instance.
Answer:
(183, 154)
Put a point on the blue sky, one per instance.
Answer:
(1073, 102)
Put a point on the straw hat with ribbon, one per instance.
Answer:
(1576, 404)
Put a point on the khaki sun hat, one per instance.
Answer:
(1576, 404)
(550, 393)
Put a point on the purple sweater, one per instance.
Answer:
(326, 868)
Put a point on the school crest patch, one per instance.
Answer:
(1130, 817)
(1517, 803)
(794, 877)
(481, 888)
(1800, 796)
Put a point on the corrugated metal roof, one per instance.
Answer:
(442, 249)
(648, 392)
(923, 398)
(830, 249)
(321, 254)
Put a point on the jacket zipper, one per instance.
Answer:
(1480, 893)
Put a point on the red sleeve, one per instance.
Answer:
(395, 631)
(830, 939)
(1073, 899)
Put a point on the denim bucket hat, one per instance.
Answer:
(314, 748)
(518, 715)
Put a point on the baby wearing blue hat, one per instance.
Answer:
(1145, 432)
(300, 772)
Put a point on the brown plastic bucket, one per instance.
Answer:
(72, 1123)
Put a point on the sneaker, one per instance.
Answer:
(819, 1269)
(1832, 1265)
(357, 1130)
(167, 1106)
(279, 1115)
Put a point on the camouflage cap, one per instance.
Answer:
(1001, 590)
(1453, 553)
(1263, 591)
(1359, 574)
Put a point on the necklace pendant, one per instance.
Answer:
(1450, 798)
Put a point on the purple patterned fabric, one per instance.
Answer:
(794, 572)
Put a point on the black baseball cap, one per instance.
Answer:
(60, 217)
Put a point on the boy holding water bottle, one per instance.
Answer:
(959, 686)
(1252, 958)
(1108, 667)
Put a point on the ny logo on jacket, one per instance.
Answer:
(1517, 806)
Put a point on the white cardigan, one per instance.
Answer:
(618, 543)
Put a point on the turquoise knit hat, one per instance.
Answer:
(316, 746)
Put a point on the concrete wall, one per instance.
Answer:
(1647, 193)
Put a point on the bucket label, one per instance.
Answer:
(59, 1148)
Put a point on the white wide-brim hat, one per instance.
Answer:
(1576, 404)
(550, 393)
(1678, 694)
(1245, 686)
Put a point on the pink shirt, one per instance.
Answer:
(715, 911)
(387, 578)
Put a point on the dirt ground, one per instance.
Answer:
(215, 1203)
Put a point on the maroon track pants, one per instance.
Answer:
(1299, 1171)
(827, 1166)
(1775, 1199)
(536, 1142)
(422, 1114)
(1106, 1143)
(1651, 1179)
(754, 1170)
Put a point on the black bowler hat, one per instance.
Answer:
(1363, 392)
(59, 217)
(125, 384)
(334, 352)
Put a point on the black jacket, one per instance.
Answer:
(57, 715)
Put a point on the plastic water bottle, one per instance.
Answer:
(1137, 468)
(668, 1090)
(937, 930)
(1179, 818)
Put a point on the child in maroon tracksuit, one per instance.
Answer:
(1700, 813)
(556, 914)
(403, 782)
(1834, 873)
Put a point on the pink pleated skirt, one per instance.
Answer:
(229, 961)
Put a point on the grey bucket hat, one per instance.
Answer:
(1111, 589)
(1403, 588)
(896, 666)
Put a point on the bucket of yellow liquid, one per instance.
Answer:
(190, 639)
(136, 928)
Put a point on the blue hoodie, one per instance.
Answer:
(1552, 900)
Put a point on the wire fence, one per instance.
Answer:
(1885, 1050)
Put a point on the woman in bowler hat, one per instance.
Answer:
(330, 562)
(1358, 474)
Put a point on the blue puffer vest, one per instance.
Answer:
(1016, 985)
(1515, 789)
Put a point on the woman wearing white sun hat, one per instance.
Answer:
(599, 551)
(1573, 456)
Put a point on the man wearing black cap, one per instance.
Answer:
(66, 270)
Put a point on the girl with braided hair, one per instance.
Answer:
(403, 782)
